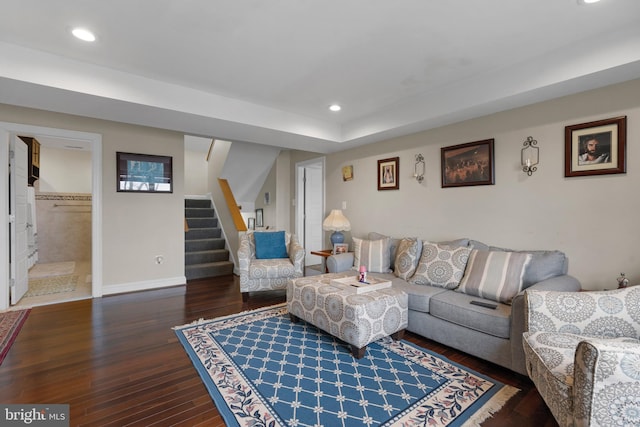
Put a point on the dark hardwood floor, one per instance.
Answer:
(116, 361)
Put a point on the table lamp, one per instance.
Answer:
(336, 222)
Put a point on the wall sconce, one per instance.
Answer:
(418, 168)
(530, 156)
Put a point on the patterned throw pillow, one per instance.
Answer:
(408, 255)
(440, 265)
(374, 254)
(494, 275)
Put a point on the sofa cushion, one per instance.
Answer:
(440, 265)
(494, 275)
(407, 257)
(419, 295)
(271, 268)
(456, 308)
(270, 245)
(374, 254)
(544, 265)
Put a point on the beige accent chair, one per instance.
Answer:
(268, 274)
(582, 353)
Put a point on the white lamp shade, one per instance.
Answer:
(336, 221)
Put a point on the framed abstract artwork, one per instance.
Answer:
(144, 173)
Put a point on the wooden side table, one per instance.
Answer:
(324, 253)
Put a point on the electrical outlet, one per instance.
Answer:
(159, 259)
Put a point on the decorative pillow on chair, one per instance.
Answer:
(407, 257)
(374, 254)
(270, 245)
(440, 265)
(494, 275)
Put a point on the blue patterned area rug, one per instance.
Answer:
(263, 370)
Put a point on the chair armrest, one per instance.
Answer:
(339, 262)
(519, 314)
(244, 255)
(296, 255)
(606, 374)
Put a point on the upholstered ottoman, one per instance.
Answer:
(358, 319)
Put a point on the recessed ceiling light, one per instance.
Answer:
(83, 34)
(587, 1)
(335, 107)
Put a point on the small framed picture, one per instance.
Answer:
(340, 248)
(595, 148)
(259, 218)
(467, 164)
(251, 223)
(347, 173)
(389, 174)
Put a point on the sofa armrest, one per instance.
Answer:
(519, 315)
(605, 374)
(339, 262)
(296, 255)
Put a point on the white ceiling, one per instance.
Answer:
(265, 71)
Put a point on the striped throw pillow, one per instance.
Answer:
(374, 254)
(494, 275)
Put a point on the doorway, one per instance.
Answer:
(91, 206)
(310, 207)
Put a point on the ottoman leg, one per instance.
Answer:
(294, 318)
(397, 336)
(358, 353)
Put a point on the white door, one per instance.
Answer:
(18, 219)
(313, 212)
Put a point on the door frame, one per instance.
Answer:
(95, 141)
(300, 166)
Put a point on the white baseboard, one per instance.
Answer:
(144, 285)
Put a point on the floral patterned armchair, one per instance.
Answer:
(582, 353)
(268, 274)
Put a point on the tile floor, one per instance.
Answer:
(83, 289)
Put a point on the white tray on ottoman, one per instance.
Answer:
(356, 318)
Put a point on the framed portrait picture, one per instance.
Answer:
(388, 174)
(595, 148)
(467, 164)
(144, 173)
(259, 218)
(340, 248)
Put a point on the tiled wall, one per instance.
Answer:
(64, 227)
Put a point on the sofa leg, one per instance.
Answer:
(245, 296)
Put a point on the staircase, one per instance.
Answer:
(204, 248)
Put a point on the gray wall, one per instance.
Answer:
(593, 219)
(135, 227)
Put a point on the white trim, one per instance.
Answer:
(144, 285)
(5, 274)
(96, 189)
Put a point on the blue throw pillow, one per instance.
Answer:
(270, 245)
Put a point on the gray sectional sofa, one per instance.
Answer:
(451, 317)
